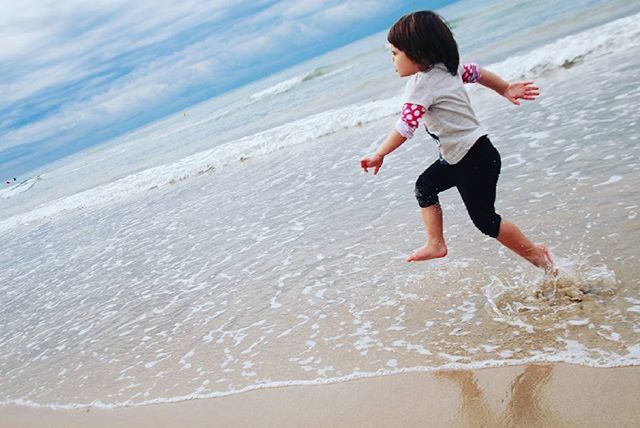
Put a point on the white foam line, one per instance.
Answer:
(292, 133)
(621, 34)
(623, 362)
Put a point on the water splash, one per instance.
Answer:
(532, 302)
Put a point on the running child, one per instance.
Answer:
(424, 49)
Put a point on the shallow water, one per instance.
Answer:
(288, 267)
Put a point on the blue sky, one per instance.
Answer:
(77, 72)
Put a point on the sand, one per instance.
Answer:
(555, 395)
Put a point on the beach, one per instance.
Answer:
(548, 395)
(198, 270)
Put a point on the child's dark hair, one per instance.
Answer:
(426, 39)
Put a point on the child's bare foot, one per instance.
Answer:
(543, 260)
(428, 252)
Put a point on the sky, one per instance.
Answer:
(76, 73)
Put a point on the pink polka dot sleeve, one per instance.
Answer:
(470, 73)
(409, 119)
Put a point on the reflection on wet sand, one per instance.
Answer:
(523, 407)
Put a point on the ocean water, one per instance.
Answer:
(237, 245)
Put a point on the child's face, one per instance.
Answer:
(403, 65)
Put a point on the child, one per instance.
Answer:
(423, 48)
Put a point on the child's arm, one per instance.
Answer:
(392, 142)
(511, 91)
(404, 129)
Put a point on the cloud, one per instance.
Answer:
(77, 66)
(349, 11)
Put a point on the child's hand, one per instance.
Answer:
(373, 161)
(521, 90)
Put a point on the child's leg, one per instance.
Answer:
(477, 180)
(435, 246)
(435, 179)
(512, 237)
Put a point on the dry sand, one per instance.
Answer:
(556, 395)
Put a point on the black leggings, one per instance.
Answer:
(475, 176)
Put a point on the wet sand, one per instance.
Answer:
(554, 395)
